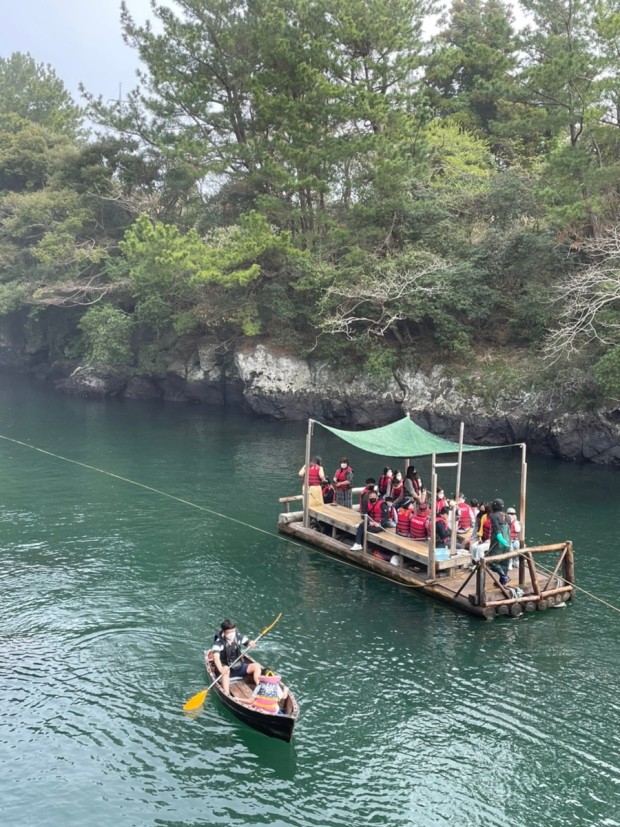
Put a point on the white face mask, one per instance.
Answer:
(230, 636)
(343, 465)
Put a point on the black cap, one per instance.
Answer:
(497, 505)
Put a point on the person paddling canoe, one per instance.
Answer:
(226, 650)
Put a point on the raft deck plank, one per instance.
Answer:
(345, 519)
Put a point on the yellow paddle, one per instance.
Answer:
(199, 698)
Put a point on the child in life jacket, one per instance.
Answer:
(269, 692)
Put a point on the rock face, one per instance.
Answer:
(261, 380)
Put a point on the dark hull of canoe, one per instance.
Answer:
(276, 726)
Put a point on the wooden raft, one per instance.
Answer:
(471, 588)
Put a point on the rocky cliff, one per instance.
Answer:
(269, 383)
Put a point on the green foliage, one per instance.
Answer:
(312, 167)
(106, 332)
(607, 374)
(35, 93)
(380, 361)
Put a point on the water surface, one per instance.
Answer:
(411, 714)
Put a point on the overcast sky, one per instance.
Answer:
(81, 39)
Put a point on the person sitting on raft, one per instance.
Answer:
(385, 482)
(403, 519)
(226, 650)
(268, 694)
(420, 523)
(376, 512)
(443, 533)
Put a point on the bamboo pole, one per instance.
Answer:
(431, 573)
(555, 570)
(569, 564)
(529, 598)
(523, 502)
(532, 569)
(307, 474)
(457, 493)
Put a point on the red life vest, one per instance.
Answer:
(440, 504)
(375, 510)
(466, 517)
(327, 489)
(341, 475)
(313, 474)
(402, 522)
(384, 481)
(486, 529)
(397, 489)
(419, 527)
(514, 533)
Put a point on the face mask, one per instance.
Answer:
(373, 499)
(398, 478)
(343, 465)
(230, 636)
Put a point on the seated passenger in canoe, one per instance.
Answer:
(268, 693)
(227, 655)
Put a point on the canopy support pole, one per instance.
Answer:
(457, 493)
(522, 510)
(431, 573)
(307, 474)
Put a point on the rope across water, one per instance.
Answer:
(227, 516)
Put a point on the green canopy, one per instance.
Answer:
(403, 439)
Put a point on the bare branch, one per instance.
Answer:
(372, 307)
(584, 297)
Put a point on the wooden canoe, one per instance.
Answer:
(277, 726)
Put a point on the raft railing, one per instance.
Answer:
(540, 596)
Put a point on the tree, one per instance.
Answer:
(34, 92)
(560, 70)
(292, 101)
(471, 70)
(106, 332)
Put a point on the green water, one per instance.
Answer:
(411, 714)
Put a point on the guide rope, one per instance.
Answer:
(241, 522)
(180, 500)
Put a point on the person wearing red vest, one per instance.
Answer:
(375, 509)
(397, 487)
(316, 474)
(420, 524)
(403, 519)
(390, 518)
(385, 482)
(343, 480)
(466, 515)
(441, 501)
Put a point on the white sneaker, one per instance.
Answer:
(356, 547)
